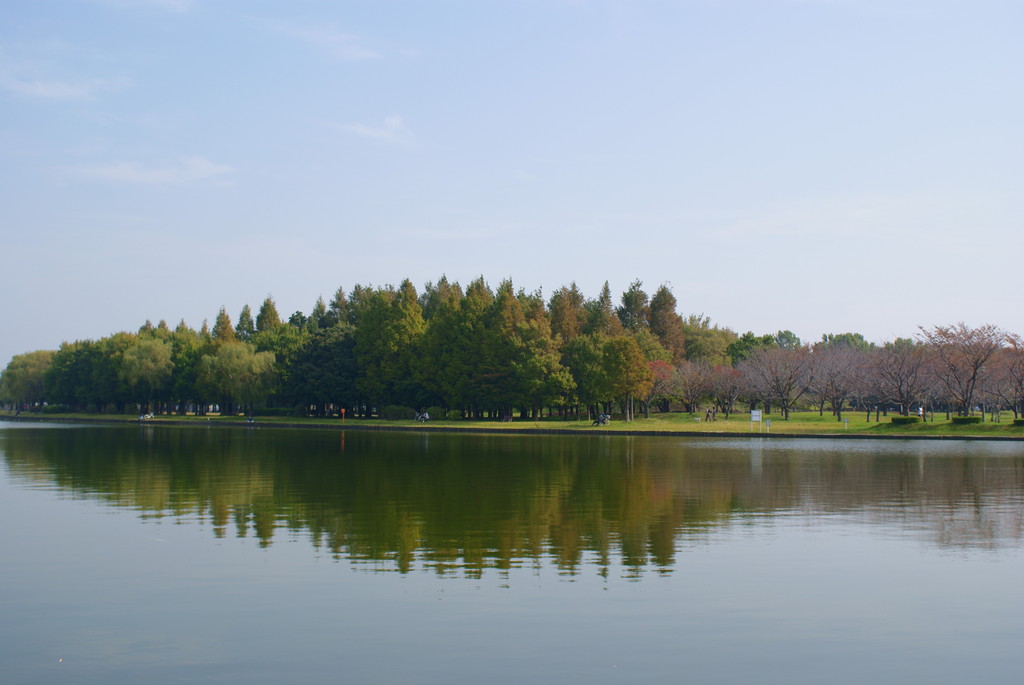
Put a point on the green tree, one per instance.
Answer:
(741, 348)
(267, 319)
(667, 324)
(246, 327)
(855, 341)
(435, 297)
(239, 374)
(86, 375)
(472, 341)
(187, 349)
(284, 342)
(635, 310)
(338, 309)
(146, 368)
(707, 342)
(324, 369)
(443, 364)
(22, 381)
(319, 314)
(651, 346)
(788, 340)
(541, 378)
(390, 328)
(601, 316)
(223, 331)
(583, 358)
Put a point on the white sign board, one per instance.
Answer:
(755, 415)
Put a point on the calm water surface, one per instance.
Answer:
(165, 555)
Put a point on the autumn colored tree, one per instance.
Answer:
(627, 373)
(836, 370)
(778, 375)
(899, 372)
(962, 353)
(1006, 374)
(664, 385)
(725, 386)
(694, 383)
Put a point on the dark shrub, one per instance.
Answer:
(436, 413)
(394, 412)
(905, 420)
(965, 420)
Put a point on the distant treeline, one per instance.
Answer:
(479, 352)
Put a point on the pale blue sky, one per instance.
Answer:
(816, 165)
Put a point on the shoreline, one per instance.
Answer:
(483, 430)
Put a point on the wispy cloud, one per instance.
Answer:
(187, 170)
(393, 128)
(179, 6)
(333, 42)
(52, 70)
(64, 91)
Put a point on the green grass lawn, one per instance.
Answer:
(799, 422)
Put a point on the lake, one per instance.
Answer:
(235, 555)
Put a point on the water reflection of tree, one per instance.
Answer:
(469, 503)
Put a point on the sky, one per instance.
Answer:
(820, 166)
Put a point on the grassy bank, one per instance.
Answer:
(800, 423)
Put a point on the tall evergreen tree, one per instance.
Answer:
(635, 311)
(223, 332)
(386, 343)
(568, 316)
(601, 316)
(246, 327)
(443, 361)
(667, 324)
(267, 319)
(436, 296)
(319, 314)
(338, 310)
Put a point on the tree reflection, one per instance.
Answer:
(464, 504)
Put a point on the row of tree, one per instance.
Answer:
(486, 352)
